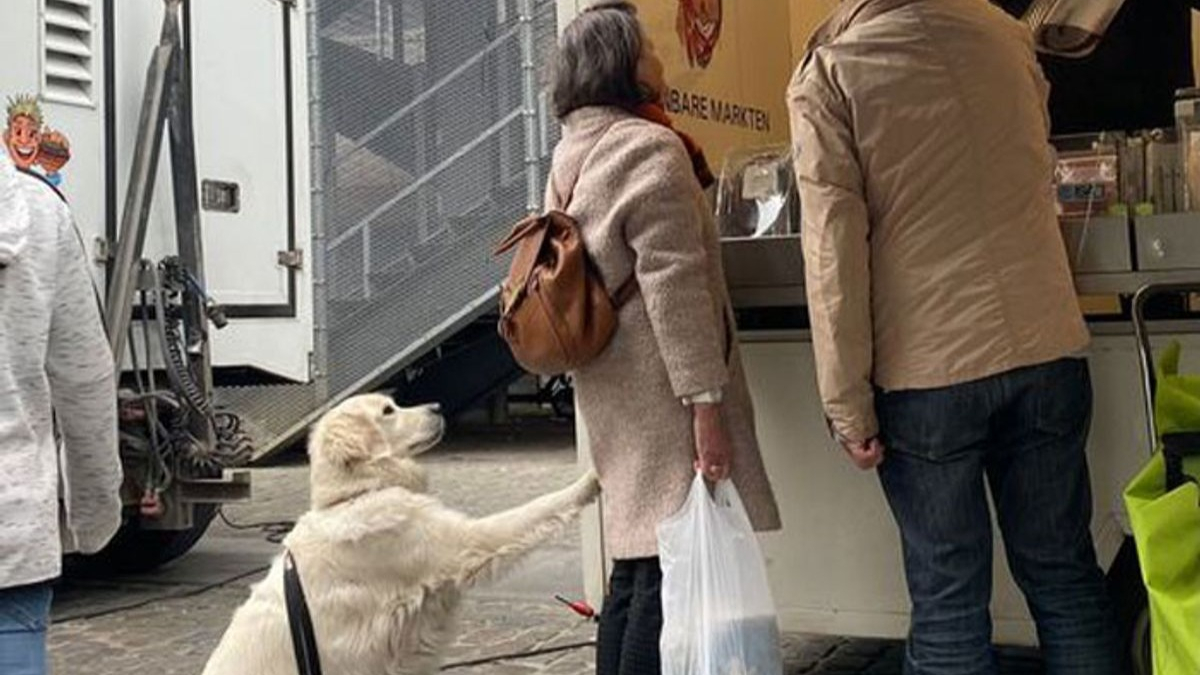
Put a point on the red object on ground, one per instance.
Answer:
(579, 607)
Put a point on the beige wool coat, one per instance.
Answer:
(642, 212)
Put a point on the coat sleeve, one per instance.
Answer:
(660, 201)
(835, 231)
(80, 368)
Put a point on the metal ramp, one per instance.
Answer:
(431, 136)
(278, 415)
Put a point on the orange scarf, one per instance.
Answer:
(654, 112)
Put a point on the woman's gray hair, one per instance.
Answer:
(597, 60)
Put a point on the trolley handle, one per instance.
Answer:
(1145, 351)
(1176, 448)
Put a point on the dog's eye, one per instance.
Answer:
(389, 410)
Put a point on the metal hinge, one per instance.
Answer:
(293, 259)
(103, 251)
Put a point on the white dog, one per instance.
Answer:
(383, 564)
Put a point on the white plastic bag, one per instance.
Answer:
(718, 616)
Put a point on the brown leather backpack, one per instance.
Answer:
(555, 313)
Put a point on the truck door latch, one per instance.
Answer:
(293, 259)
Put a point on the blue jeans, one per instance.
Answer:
(1024, 432)
(24, 616)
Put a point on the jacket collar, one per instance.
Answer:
(593, 118)
(849, 13)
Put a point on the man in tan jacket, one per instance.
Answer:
(945, 324)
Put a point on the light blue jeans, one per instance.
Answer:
(24, 617)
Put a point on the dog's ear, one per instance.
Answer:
(345, 440)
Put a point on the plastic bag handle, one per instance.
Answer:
(726, 496)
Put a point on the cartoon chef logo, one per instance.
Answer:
(30, 143)
(23, 137)
(698, 23)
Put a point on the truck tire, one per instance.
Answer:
(135, 550)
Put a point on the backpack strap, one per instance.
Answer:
(45, 181)
(629, 287)
(79, 237)
(304, 639)
(625, 291)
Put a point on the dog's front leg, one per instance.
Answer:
(493, 542)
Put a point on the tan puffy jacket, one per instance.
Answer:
(926, 181)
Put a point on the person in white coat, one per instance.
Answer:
(59, 492)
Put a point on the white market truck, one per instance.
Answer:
(285, 202)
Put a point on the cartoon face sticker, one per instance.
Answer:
(30, 143)
(698, 23)
(23, 136)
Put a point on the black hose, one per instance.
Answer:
(178, 371)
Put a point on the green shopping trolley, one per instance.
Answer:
(1163, 501)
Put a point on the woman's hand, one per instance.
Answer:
(714, 450)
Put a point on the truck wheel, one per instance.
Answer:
(1132, 609)
(135, 550)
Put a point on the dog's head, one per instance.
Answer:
(367, 443)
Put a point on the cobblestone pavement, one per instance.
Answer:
(166, 623)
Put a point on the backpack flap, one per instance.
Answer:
(528, 237)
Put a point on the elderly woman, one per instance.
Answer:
(668, 396)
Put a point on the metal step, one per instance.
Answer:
(269, 412)
(461, 374)
(277, 416)
(412, 190)
(374, 339)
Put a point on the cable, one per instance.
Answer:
(274, 531)
(178, 370)
(151, 406)
(87, 616)
(520, 655)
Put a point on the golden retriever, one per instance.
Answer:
(383, 564)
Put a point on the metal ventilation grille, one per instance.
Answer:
(67, 55)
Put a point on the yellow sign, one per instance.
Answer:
(806, 16)
(727, 67)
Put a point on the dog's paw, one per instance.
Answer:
(587, 488)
